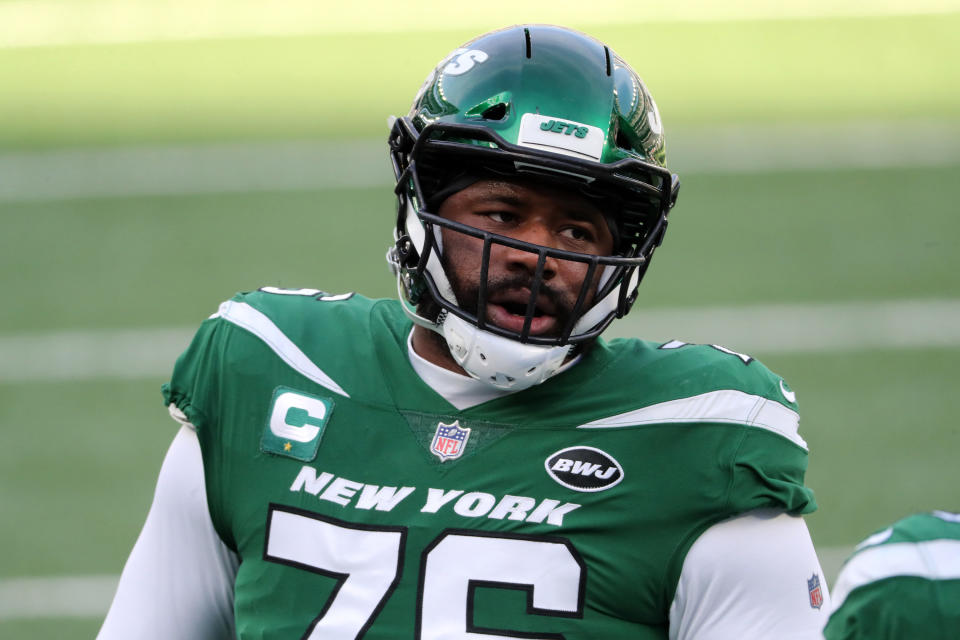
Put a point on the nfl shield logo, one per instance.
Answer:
(449, 441)
(816, 595)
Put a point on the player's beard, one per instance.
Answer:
(468, 296)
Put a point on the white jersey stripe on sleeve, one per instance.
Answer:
(725, 405)
(931, 559)
(246, 317)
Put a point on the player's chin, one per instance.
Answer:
(540, 325)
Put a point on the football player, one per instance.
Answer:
(901, 583)
(473, 460)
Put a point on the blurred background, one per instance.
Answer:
(158, 156)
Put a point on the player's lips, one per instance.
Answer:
(508, 311)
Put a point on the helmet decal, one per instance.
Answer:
(464, 61)
(561, 136)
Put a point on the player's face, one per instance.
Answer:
(532, 212)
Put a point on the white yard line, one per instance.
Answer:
(31, 23)
(90, 596)
(756, 329)
(814, 327)
(176, 170)
(811, 145)
(56, 597)
(90, 355)
(224, 168)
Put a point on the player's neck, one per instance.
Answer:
(431, 346)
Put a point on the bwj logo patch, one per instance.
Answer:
(816, 594)
(449, 441)
(295, 424)
(584, 469)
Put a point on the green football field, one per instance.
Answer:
(83, 430)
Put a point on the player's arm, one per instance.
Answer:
(749, 577)
(178, 581)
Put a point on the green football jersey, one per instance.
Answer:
(902, 582)
(362, 503)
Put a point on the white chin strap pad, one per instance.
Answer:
(500, 362)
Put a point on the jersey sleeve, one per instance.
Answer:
(770, 463)
(194, 393)
(193, 387)
(769, 472)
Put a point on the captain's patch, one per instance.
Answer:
(295, 424)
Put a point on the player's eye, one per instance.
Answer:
(578, 233)
(502, 217)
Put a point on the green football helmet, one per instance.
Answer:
(542, 103)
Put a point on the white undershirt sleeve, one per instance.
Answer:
(747, 578)
(178, 581)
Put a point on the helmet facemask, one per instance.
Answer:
(418, 250)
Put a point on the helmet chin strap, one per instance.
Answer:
(500, 362)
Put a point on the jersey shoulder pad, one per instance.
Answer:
(295, 325)
(680, 372)
(196, 375)
(719, 399)
(294, 307)
(913, 530)
(713, 365)
(923, 527)
(322, 336)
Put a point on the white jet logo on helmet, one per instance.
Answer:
(464, 61)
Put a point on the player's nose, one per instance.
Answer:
(526, 260)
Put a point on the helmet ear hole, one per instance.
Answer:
(493, 108)
(622, 141)
(496, 112)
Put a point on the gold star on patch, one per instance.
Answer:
(287, 446)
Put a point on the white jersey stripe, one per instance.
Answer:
(246, 317)
(726, 405)
(932, 559)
